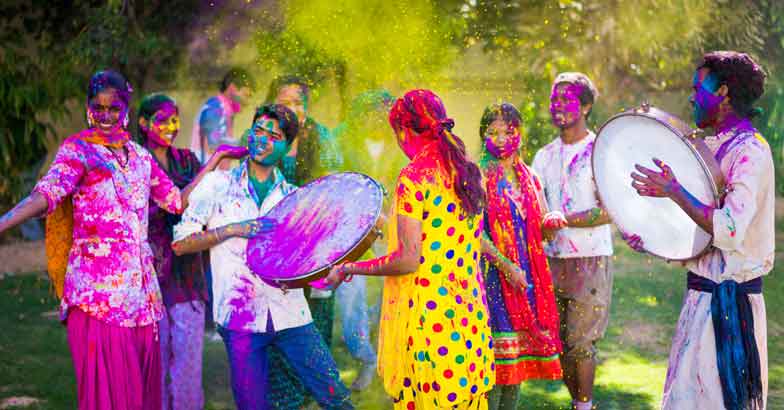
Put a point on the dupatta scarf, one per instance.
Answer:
(541, 323)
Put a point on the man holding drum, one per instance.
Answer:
(579, 255)
(252, 315)
(719, 350)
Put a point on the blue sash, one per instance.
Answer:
(737, 357)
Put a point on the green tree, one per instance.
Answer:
(47, 54)
(644, 50)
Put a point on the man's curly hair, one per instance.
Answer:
(744, 78)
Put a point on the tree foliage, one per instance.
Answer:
(47, 52)
(644, 50)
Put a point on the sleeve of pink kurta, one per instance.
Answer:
(63, 176)
(750, 170)
(163, 191)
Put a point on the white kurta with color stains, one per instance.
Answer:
(743, 240)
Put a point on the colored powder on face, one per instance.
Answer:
(259, 138)
(294, 99)
(279, 150)
(164, 125)
(565, 104)
(705, 102)
(505, 150)
(107, 108)
(256, 145)
(411, 143)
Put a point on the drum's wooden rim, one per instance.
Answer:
(279, 281)
(659, 116)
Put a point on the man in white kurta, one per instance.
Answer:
(743, 249)
(717, 361)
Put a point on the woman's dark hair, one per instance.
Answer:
(280, 82)
(109, 79)
(506, 112)
(287, 120)
(151, 103)
(744, 78)
(424, 112)
(237, 76)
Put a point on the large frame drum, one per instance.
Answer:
(325, 222)
(636, 137)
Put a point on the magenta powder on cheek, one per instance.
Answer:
(509, 147)
(565, 104)
(706, 103)
(412, 144)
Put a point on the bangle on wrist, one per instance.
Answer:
(347, 276)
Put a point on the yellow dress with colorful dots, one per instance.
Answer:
(435, 346)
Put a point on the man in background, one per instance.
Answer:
(214, 122)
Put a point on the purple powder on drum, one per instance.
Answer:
(316, 226)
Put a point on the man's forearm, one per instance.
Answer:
(700, 213)
(592, 217)
(202, 241)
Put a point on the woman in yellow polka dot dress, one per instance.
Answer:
(435, 348)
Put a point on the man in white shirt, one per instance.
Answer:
(579, 255)
(719, 354)
(252, 315)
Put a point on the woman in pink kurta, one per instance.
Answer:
(110, 272)
(111, 302)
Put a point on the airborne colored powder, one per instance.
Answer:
(472, 53)
(348, 48)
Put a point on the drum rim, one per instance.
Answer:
(655, 114)
(279, 281)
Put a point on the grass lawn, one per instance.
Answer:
(35, 362)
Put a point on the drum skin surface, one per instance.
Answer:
(324, 222)
(635, 137)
